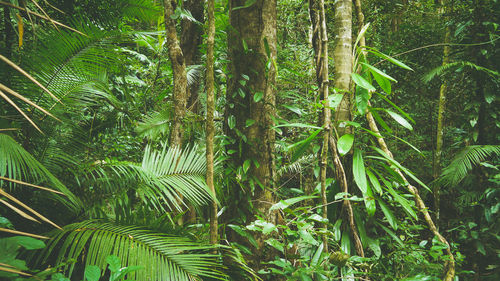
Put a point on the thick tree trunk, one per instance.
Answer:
(191, 39)
(342, 56)
(251, 103)
(210, 128)
(179, 70)
(436, 169)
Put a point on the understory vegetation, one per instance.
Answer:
(250, 140)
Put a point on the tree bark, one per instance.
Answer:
(251, 104)
(342, 56)
(210, 128)
(179, 71)
(441, 108)
(320, 44)
(191, 39)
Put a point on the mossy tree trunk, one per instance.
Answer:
(178, 63)
(250, 107)
(210, 128)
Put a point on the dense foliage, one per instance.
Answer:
(103, 172)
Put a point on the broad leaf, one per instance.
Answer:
(344, 144)
(400, 120)
(358, 170)
(362, 82)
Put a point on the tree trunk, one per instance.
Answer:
(210, 128)
(191, 39)
(441, 107)
(342, 56)
(179, 70)
(320, 44)
(251, 104)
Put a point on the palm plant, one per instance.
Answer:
(163, 257)
(465, 161)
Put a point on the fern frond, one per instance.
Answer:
(162, 257)
(465, 161)
(440, 70)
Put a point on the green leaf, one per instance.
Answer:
(307, 237)
(396, 107)
(345, 243)
(362, 97)
(400, 120)
(258, 96)
(246, 165)
(362, 82)
(391, 233)
(389, 58)
(378, 71)
(249, 122)
(231, 122)
(295, 109)
(303, 145)
(337, 232)
(297, 125)
(388, 215)
(283, 204)
(371, 205)
(92, 273)
(358, 170)
(29, 243)
(403, 202)
(380, 121)
(383, 82)
(344, 144)
(244, 233)
(275, 244)
(317, 255)
(374, 181)
(114, 263)
(399, 166)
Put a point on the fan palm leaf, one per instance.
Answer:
(465, 161)
(163, 257)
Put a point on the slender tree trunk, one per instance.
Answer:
(342, 56)
(320, 43)
(210, 128)
(251, 104)
(441, 107)
(179, 70)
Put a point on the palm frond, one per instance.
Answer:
(162, 257)
(194, 74)
(163, 180)
(154, 125)
(18, 164)
(440, 70)
(65, 61)
(146, 10)
(465, 161)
